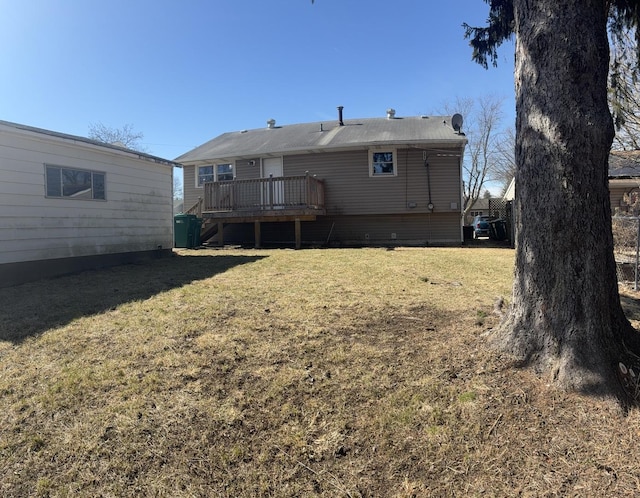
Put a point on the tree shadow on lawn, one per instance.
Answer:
(30, 309)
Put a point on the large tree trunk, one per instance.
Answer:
(566, 318)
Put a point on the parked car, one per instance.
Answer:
(481, 226)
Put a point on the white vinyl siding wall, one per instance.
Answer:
(136, 216)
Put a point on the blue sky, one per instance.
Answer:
(185, 71)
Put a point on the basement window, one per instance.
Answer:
(74, 183)
(382, 163)
(214, 173)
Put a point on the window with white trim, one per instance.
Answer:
(74, 183)
(382, 163)
(213, 173)
(224, 172)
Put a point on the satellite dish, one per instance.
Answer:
(456, 122)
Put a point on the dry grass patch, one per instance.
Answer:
(289, 373)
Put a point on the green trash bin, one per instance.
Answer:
(183, 230)
(196, 228)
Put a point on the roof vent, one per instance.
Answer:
(340, 121)
(391, 113)
(271, 124)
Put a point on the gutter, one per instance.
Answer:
(432, 146)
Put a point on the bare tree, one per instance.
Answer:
(177, 185)
(482, 120)
(124, 137)
(504, 158)
(624, 91)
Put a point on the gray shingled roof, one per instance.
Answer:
(624, 164)
(312, 137)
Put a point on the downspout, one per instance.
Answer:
(426, 165)
(461, 194)
(425, 158)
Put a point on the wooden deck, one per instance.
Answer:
(282, 199)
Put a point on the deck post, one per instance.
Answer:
(298, 234)
(256, 234)
(307, 184)
(271, 191)
(221, 233)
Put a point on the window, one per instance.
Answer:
(224, 172)
(205, 174)
(74, 183)
(382, 163)
(214, 173)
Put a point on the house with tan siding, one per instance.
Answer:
(380, 181)
(624, 180)
(69, 204)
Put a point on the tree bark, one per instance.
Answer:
(565, 318)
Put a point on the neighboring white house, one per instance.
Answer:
(510, 193)
(68, 204)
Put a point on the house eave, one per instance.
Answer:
(428, 145)
(624, 181)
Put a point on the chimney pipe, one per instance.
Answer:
(340, 122)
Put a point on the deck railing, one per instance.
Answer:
(196, 208)
(264, 193)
